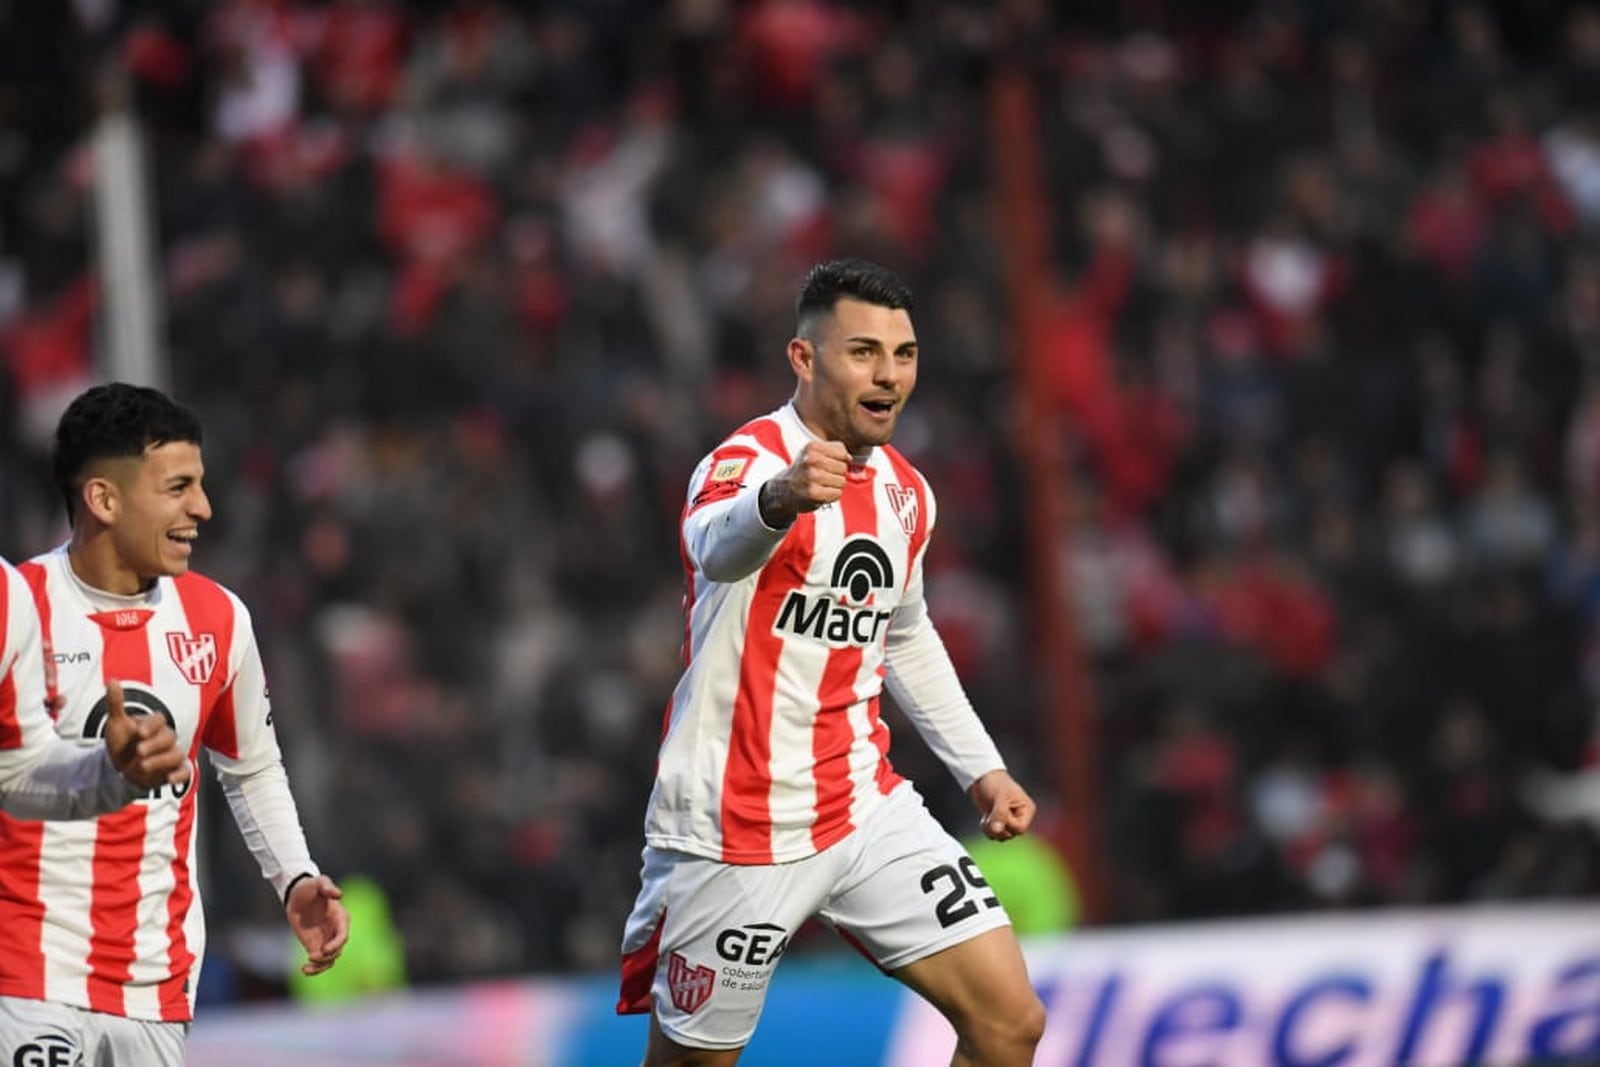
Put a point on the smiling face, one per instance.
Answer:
(856, 365)
(151, 509)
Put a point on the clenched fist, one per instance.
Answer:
(814, 479)
(1006, 808)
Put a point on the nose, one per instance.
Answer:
(199, 505)
(888, 370)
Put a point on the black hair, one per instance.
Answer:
(827, 282)
(114, 421)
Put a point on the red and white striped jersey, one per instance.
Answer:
(104, 913)
(25, 727)
(773, 747)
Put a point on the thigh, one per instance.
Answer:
(911, 889)
(113, 1041)
(37, 1033)
(705, 938)
(984, 978)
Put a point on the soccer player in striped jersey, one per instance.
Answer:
(101, 929)
(803, 537)
(44, 776)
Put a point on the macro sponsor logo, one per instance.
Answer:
(860, 567)
(848, 615)
(137, 701)
(46, 1050)
(70, 657)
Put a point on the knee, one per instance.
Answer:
(1027, 1024)
(1005, 1033)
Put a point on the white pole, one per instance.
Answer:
(129, 335)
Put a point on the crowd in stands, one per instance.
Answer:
(463, 290)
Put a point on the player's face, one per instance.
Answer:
(160, 506)
(856, 368)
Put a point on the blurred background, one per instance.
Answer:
(1260, 391)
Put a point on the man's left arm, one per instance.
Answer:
(44, 776)
(923, 682)
(257, 789)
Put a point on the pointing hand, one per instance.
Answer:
(142, 747)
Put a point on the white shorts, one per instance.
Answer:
(704, 936)
(40, 1033)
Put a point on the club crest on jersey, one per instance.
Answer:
(690, 984)
(196, 656)
(903, 499)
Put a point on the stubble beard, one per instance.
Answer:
(864, 443)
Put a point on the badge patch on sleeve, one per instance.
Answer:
(725, 470)
(725, 478)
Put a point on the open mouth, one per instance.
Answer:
(879, 407)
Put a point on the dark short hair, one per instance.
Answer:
(870, 283)
(114, 421)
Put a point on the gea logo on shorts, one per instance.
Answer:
(46, 1050)
(752, 944)
(849, 614)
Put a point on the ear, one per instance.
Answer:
(101, 499)
(802, 358)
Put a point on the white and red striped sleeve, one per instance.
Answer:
(724, 536)
(42, 776)
(25, 726)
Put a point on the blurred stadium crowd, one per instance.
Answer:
(463, 290)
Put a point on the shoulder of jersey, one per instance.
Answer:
(764, 433)
(194, 582)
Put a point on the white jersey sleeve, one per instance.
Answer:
(923, 682)
(723, 532)
(251, 771)
(42, 776)
(67, 781)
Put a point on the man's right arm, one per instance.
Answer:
(43, 776)
(731, 530)
(725, 534)
(66, 781)
(53, 778)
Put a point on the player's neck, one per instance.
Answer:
(94, 560)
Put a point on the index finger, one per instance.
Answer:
(833, 450)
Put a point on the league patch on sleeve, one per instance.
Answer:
(725, 478)
(726, 470)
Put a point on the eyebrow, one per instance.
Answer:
(862, 339)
